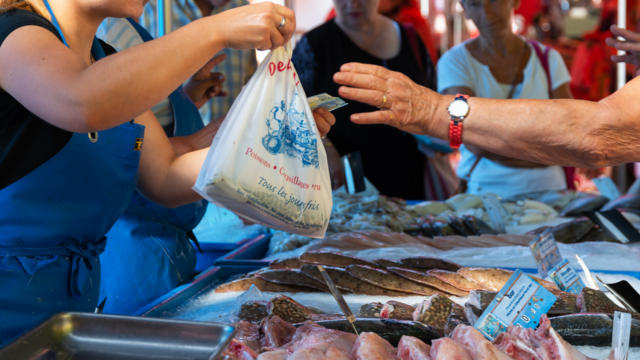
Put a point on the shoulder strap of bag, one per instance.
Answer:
(543, 56)
(414, 43)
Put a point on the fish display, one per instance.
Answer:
(346, 282)
(428, 280)
(393, 339)
(428, 263)
(435, 312)
(591, 329)
(388, 280)
(397, 310)
(462, 215)
(584, 204)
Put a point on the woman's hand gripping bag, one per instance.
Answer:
(267, 162)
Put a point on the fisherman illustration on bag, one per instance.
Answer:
(290, 134)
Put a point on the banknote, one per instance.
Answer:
(326, 101)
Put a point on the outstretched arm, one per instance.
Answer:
(57, 84)
(564, 132)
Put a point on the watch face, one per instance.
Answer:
(458, 108)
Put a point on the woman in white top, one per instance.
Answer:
(500, 64)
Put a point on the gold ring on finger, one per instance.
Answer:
(384, 100)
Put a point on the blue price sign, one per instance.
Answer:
(521, 302)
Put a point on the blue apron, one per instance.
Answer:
(149, 252)
(54, 220)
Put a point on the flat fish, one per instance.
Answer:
(591, 329)
(388, 329)
(429, 280)
(291, 277)
(387, 280)
(627, 201)
(583, 205)
(371, 310)
(488, 278)
(435, 311)
(289, 263)
(345, 282)
(288, 309)
(573, 231)
(595, 301)
(429, 263)
(397, 310)
(456, 280)
(245, 283)
(332, 259)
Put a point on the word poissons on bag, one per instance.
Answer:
(280, 66)
(257, 157)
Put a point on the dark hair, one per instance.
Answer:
(6, 5)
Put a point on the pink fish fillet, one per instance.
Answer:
(447, 349)
(314, 342)
(276, 332)
(370, 346)
(478, 346)
(412, 348)
(545, 341)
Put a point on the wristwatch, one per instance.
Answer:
(458, 111)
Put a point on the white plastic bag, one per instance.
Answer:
(267, 162)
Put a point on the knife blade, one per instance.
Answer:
(339, 298)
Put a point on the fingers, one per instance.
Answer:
(623, 45)
(371, 97)
(289, 23)
(359, 80)
(324, 120)
(627, 34)
(627, 58)
(375, 117)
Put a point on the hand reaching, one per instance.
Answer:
(205, 84)
(630, 44)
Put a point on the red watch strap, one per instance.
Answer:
(455, 134)
(455, 127)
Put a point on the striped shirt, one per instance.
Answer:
(237, 68)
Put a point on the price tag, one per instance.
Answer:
(521, 302)
(607, 187)
(566, 278)
(545, 251)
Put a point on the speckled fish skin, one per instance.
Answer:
(488, 278)
(434, 312)
(387, 280)
(429, 280)
(288, 309)
(397, 310)
(427, 263)
(245, 283)
(390, 330)
(456, 280)
(332, 259)
(345, 282)
(291, 277)
(591, 329)
(289, 263)
(371, 310)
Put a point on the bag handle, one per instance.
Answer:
(543, 56)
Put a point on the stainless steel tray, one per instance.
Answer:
(97, 336)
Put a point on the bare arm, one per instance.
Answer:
(561, 92)
(563, 131)
(55, 83)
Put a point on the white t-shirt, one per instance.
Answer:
(458, 67)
